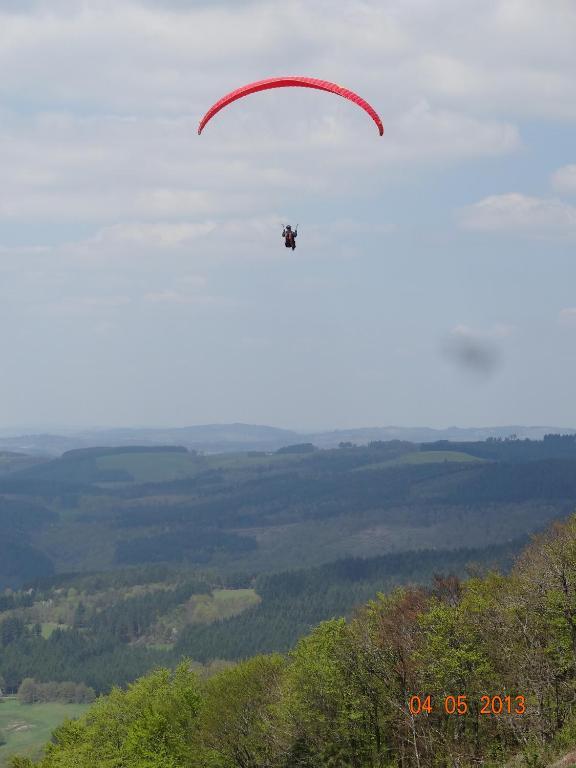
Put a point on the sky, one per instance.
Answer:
(143, 278)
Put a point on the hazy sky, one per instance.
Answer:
(143, 280)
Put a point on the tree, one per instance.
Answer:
(454, 660)
(151, 725)
(239, 717)
(328, 711)
(539, 615)
(67, 692)
(79, 619)
(387, 635)
(27, 693)
(11, 629)
(21, 762)
(83, 694)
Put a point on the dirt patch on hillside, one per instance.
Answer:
(568, 761)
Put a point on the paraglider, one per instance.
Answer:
(288, 82)
(290, 236)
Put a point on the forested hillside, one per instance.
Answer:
(250, 550)
(114, 562)
(107, 629)
(460, 673)
(100, 509)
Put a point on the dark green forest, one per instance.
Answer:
(107, 640)
(101, 509)
(116, 562)
(471, 672)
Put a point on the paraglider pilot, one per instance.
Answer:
(289, 236)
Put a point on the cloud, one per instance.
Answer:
(515, 212)
(498, 331)
(426, 134)
(190, 291)
(158, 234)
(256, 343)
(106, 168)
(146, 226)
(351, 226)
(76, 306)
(100, 275)
(101, 101)
(155, 51)
(175, 297)
(567, 316)
(564, 179)
(102, 98)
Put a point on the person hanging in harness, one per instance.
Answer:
(289, 236)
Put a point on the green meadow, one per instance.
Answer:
(27, 727)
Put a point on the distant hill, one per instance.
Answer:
(233, 438)
(125, 558)
(258, 511)
(210, 438)
(362, 436)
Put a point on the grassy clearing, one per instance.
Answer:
(48, 627)
(221, 604)
(201, 609)
(245, 460)
(229, 602)
(424, 457)
(166, 466)
(436, 457)
(27, 727)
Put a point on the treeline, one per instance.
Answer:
(200, 519)
(129, 619)
(319, 487)
(551, 479)
(73, 654)
(246, 496)
(294, 601)
(67, 692)
(97, 650)
(93, 582)
(347, 695)
(512, 449)
(278, 498)
(76, 471)
(77, 454)
(11, 600)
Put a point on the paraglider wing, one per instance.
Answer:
(286, 82)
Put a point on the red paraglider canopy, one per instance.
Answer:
(286, 82)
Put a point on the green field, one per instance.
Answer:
(424, 457)
(27, 727)
(165, 466)
(435, 457)
(222, 604)
(48, 627)
(202, 609)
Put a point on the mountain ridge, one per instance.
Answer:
(240, 437)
